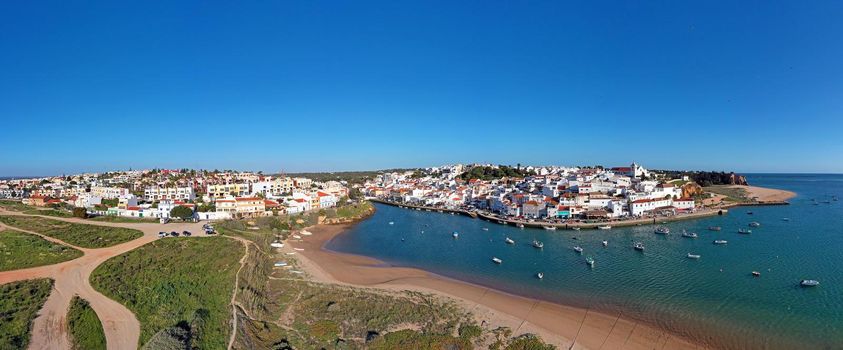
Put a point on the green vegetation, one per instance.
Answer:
(81, 213)
(179, 289)
(706, 178)
(19, 304)
(57, 212)
(15, 206)
(21, 250)
(351, 211)
(181, 212)
(528, 342)
(410, 339)
(491, 173)
(84, 326)
(735, 194)
(86, 236)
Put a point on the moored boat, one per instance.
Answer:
(662, 230)
(551, 228)
(756, 274)
(604, 227)
(538, 244)
(456, 234)
(809, 283)
(578, 249)
(714, 228)
(605, 243)
(590, 261)
(638, 246)
(744, 231)
(754, 224)
(689, 234)
(509, 240)
(496, 260)
(485, 229)
(693, 256)
(391, 223)
(520, 225)
(720, 241)
(575, 228)
(540, 275)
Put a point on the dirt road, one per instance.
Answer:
(122, 329)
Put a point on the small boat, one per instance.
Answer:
(662, 230)
(749, 213)
(496, 260)
(537, 244)
(590, 261)
(485, 229)
(502, 222)
(576, 228)
(638, 246)
(540, 275)
(605, 243)
(520, 225)
(551, 228)
(756, 274)
(509, 241)
(809, 283)
(754, 224)
(785, 219)
(720, 241)
(693, 256)
(606, 227)
(456, 234)
(689, 234)
(391, 223)
(578, 249)
(714, 228)
(744, 231)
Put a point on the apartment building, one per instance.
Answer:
(152, 194)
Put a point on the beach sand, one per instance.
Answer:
(763, 194)
(564, 326)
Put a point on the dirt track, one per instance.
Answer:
(122, 329)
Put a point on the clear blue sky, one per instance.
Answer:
(752, 86)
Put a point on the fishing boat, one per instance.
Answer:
(756, 274)
(754, 224)
(509, 240)
(605, 227)
(496, 260)
(590, 261)
(605, 243)
(638, 246)
(578, 249)
(693, 256)
(809, 283)
(662, 230)
(551, 228)
(456, 234)
(689, 234)
(537, 244)
(714, 228)
(744, 231)
(720, 241)
(540, 275)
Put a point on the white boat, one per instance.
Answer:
(578, 249)
(809, 283)
(606, 227)
(605, 243)
(551, 228)
(693, 256)
(689, 234)
(662, 230)
(638, 246)
(276, 244)
(537, 244)
(720, 241)
(391, 223)
(590, 261)
(744, 231)
(540, 275)
(502, 222)
(456, 234)
(496, 260)
(485, 229)
(520, 225)
(754, 224)
(714, 228)
(509, 240)
(575, 228)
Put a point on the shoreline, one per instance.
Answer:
(561, 325)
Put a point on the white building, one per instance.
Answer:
(152, 194)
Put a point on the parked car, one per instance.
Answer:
(162, 234)
(186, 233)
(174, 234)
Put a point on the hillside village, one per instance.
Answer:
(210, 195)
(549, 193)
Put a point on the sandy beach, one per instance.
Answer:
(763, 194)
(564, 326)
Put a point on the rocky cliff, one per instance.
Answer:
(691, 189)
(735, 179)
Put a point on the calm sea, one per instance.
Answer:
(713, 300)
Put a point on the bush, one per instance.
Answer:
(81, 213)
(85, 328)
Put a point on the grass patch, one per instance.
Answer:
(179, 289)
(410, 339)
(59, 213)
(19, 304)
(84, 326)
(86, 236)
(736, 194)
(15, 206)
(20, 250)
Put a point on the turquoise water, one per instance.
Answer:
(661, 286)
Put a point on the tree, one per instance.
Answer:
(182, 212)
(80, 212)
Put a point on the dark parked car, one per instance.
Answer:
(186, 233)
(174, 234)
